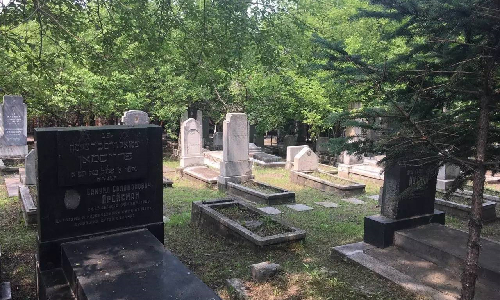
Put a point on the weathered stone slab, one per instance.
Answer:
(446, 176)
(12, 184)
(30, 168)
(260, 192)
(270, 210)
(374, 197)
(264, 271)
(299, 207)
(135, 117)
(353, 201)
(305, 160)
(345, 190)
(327, 204)
(28, 206)
(202, 174)
(237, 289)
(131, 265)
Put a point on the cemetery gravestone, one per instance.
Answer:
(446, 176)
(29, 165)
(101, 209)
(218, 136)
(13, 128)
(191, 141)
(322, 144)
(291, 152)
(235, 165)
(305, 160)
(289, 140)
(407, 201)
(135, 117)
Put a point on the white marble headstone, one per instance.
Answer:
(191, 144)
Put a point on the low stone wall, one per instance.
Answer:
(280, 197)
(462, 211)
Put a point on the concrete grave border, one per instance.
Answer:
(305, 179)
(252, 195)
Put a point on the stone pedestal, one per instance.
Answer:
(235, 165)
(191, 144)
(407, 201)
(446, 176)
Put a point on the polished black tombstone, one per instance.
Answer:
(101, 194)
(407, 201)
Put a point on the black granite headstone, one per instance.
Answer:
(96, 180)
(407, 201)
(408, 191)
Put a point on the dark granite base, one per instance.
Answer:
(49, 253)
(167, 182)
(131, 266)
(379, 230)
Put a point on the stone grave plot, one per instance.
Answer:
(267, 160)
(202, 174)
(236, 219)
(459, 205)
(260, 192)
(299, 207)
(100, 215)
(28, 199)
(327, 169)
(327, 182)
(212, 159)
(12, 184)
(428, 260)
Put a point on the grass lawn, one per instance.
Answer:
(310, 271)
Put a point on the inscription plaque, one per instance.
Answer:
(93, 180)
(91, 156)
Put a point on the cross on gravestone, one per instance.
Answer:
(235, 165)
(407, 201)
(135, 117)
(191, 144)
(13, 128)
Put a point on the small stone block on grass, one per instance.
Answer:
(354, 201)
(237, 289)
(374, 197)
(270, 210)
(327, 204)
(12, 184)
(264, 271)
(299, 207)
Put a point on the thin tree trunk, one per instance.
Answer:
(469, 275)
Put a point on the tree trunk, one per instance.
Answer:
(469, 275)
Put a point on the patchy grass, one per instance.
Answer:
(311, 273)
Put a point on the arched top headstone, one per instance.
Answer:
(135, 117)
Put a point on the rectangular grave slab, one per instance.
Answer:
(131, 265)
(463, 211)
(27, 206)
(260, 193)
(268, 160)
(205, 215)
(306, 179)
(96, 180)
(201, 174)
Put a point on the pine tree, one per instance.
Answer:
(439, 97)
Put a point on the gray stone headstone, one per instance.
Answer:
(289, 140)
(135, 117)
(30, 167)
(408, 191)
(322, 144)
(191, 144)
(13, 128)
(235, 165)
(218, 140)
(446, 175)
